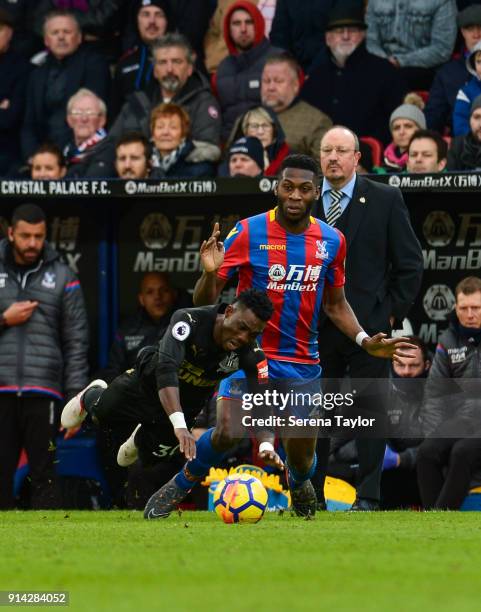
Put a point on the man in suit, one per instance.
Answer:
(383, 274)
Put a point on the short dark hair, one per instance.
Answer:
(258, 302)
(422, 346)
(30, 213)
(468, 285)
(284, 57)
(441, 144)
(53, 149)
(131, 137)
(303, 162)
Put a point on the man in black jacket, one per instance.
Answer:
(158, 300)
(451, 413)
(43, 352)
(67, 67)
(383, 275)
(352, 86)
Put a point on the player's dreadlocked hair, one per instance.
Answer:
(258, 302)
(303, 162)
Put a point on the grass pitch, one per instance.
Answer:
(396, 561)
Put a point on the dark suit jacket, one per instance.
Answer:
(85, 68)
(384, 261)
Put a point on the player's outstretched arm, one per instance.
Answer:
(209, 286)
(337, 308)
(170, 400)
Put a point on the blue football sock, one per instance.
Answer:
(195, 469)
(296, 478)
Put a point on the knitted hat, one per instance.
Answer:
(408, 111)
(161, 4)
(250, 146)
(475, 104)
(471, 15)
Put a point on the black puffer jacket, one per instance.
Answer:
(458, 355)
(47, 355)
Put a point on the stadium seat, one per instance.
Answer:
(424, 94)
(376, 148)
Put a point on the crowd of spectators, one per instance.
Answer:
(159, 89)
(80, 75)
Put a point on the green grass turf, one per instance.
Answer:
(339, 561)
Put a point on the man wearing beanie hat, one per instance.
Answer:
(453, 75)
(246, 157)
(404, 121)
(14, 70)
(465, 151)
(352, 86)
(134, 70)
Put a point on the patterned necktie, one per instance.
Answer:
(334, 211)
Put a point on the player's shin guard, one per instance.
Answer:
(296, 479)
(196, 469)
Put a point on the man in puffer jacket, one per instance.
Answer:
(451, 414)
(43, 352)
(238, 78)
(466, 95)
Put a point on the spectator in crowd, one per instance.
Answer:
(48, 163)
(416, 37)
(263, 124)
(465, 151)
(67, 67)
(405, 120)
(44, 340)
(99, 21)
(246, 157)
(467, 93)
(427, 152)
(188, 17)
(132, 156)
(171, 145)
(298, 27)
(452, 76)
(134, 70)
(214, 42)
(238, 77)
(21, 13)
(352, 86)
(14, 71)
(451, 415)
(385, 253)
(86, 116)
(181, 84)
(303, 124)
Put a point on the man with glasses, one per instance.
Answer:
(86, 116)
(383, 275)
(352, 86)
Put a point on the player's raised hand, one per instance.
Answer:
(186, 442)
(389, 348)
(270, 457)
(212, 251)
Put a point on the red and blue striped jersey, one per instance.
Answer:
(293, 269)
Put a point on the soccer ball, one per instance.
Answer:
(240, 498)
